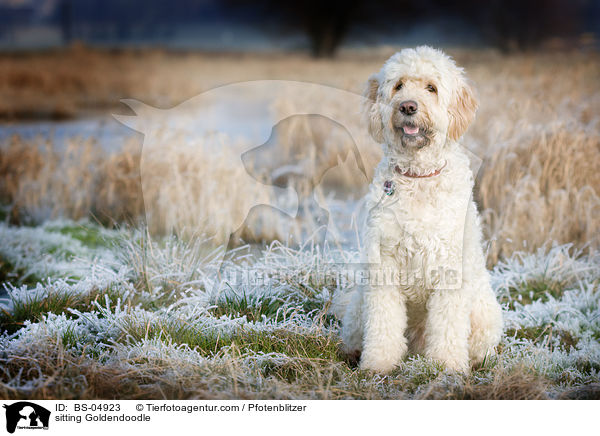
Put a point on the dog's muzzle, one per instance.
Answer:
(409, 126)
(412, 135)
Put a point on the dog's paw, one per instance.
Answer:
(483, 359)
(452, 358)
(380, 366)
(456, 365)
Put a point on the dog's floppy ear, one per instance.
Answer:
(371, 109)
(462, 110)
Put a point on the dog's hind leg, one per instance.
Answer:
(352, 326)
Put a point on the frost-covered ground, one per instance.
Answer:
(94, 313)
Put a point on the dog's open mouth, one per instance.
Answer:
(413, 136)
(410, 130)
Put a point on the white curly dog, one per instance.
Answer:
(428, 289)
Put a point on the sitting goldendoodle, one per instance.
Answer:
(429, 291)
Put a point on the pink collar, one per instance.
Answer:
(417, 176)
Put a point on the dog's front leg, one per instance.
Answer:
(385, 319)
(447, 328)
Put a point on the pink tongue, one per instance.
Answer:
(410, 130)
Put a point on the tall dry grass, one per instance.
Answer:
(181, 191)
(537, 132)
(40, 180)
(194, 186)
(545, 187)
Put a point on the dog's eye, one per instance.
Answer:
(431, 88)
(398, 86)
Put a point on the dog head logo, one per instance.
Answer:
(26, 415)
(240, 169)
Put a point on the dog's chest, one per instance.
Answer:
(423, 214)
(421, 226)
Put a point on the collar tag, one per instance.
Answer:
(388, 187)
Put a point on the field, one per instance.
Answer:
(109, 272)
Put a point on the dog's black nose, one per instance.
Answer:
(408, 107)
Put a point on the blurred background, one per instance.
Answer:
(66, 64)
(318, 27)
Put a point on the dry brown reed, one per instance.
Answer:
(41, 181)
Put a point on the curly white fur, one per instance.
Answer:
(429, 291)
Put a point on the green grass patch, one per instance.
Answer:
(544, 333)
(28, 256)
(89, 235)
(310, 372)
(209, 343)
(253, 307)
(176, 331)
(414, 373)
(10, 273)
(292, 344)
(70, 339)
(33, 307)
(533, 290)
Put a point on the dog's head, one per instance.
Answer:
(418, 99)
